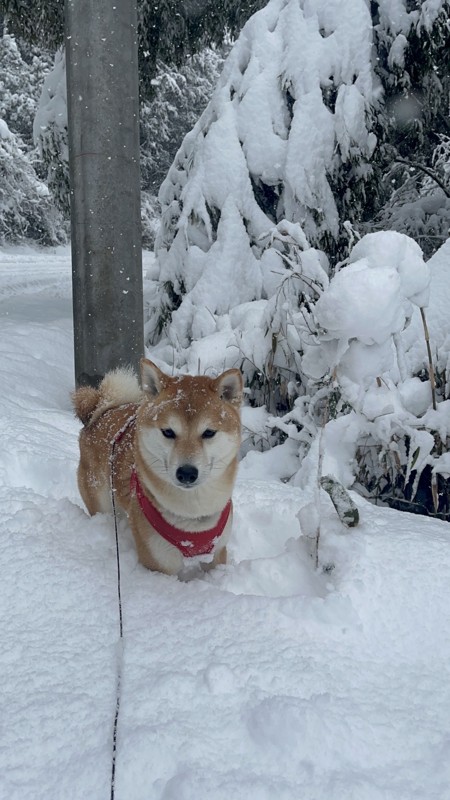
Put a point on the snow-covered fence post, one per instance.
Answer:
(103, 111)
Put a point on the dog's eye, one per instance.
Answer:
(168, 433)
(208, 434)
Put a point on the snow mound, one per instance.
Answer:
(264, 678)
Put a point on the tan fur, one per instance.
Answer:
(188, 406)
(85, 400)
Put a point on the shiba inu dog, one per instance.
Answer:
(169, 454)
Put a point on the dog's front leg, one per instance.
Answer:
(220, 557)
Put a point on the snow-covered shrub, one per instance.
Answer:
(333, 357)
(381, 424)
(26, 211)
(293, 281)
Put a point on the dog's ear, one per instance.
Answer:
(152, 379)
(229, 386)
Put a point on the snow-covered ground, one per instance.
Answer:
(265, 680)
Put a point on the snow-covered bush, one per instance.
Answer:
(26, 210)
(367, 392)
(333, 359)
(366, 387)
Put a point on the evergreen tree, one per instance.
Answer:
(412, 41)
(26, 210)
(180, 95)
(287, 136)
(50, 133)
(297, 145)
(171, 34)
(306, 126)
(22, 71)
(169, 30)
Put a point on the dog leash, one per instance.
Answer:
(115, 441)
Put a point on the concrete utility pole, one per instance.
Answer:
(103, 112)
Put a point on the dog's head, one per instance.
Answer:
(189, 426)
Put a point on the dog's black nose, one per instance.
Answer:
(187, 474)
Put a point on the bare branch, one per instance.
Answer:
(431, 174)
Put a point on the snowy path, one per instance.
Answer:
(263, 681)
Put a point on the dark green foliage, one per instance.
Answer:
(36, 22)
(21, 74)
(26, 211)
(412, 120)
(416, 92)
(179, 97)
(169, 30)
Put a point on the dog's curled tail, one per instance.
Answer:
(85, 400)
(116, 389)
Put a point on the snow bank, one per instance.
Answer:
(263, 678)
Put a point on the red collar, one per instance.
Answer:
(189, 543)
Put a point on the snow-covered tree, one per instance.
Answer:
(26, 206)
(26, 210)
(169, 30)
(17, 104)
(177, 74)
(50, 132)
(304, 126)
(22, 71)
(412, 41)
(180, 95)
(290, 155)
(286, 136)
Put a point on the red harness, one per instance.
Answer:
(189, 543)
